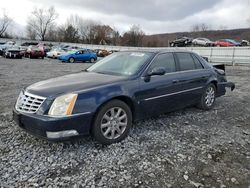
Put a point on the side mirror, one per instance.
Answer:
(157, 71)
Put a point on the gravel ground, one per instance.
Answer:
(186, 148)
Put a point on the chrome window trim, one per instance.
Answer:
(176, 72)
(175, 93)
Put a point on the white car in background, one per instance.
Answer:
(202, 42)
(54, 53)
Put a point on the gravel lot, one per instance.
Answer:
(187, 148)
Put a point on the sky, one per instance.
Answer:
(153, 16)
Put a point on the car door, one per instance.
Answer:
(159, 93)
(192, 77)
(85, 55)
(78, 55)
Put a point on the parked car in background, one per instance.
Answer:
(69, 47)
(54, 53)
(79, 55)
(29, 44)
(223, 43)
(234, 42)
(226, 43)
(102, 53)
(14, 52)
(47, 47)
(181, 42)
(5, 46)
(245, 43)
(202, 42)
(119, 89)
(113, 51)
(35, 52)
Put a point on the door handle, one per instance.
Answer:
(175, 81)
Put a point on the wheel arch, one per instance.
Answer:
(215, 82)
(126, 99)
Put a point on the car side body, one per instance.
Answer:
(235, 43)
(16, 52)
(225, 43)
(146, 95)
(55, 53)
(181, 42)
(79, 55)
(35, 52)
(202, 42)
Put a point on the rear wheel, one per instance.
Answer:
(71, 60)
(92, 60)
(112, 122)
(208, 98)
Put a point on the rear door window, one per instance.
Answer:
(186, 61)
(198, 64)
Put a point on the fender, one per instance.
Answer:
(91, 100)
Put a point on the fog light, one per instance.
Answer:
(61, 134)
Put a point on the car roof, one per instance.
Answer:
(156, 51)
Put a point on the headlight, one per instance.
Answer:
(63, 105)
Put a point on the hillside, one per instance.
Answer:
(164, 39)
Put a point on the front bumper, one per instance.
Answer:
(54, 128)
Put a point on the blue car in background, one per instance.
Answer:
(235, 43)
(79, 55)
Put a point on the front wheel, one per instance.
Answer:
(112, 122)
(208, 98)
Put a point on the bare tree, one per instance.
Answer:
(87, 30)
(41, 20)
(195, 28)
(204, 27)
(31, 33)
(86, 27)
(134, 37)
(5, 21)
(200, 27)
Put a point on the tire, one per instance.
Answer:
(92, 60)
(208, 97)
(106, 123)
(71, 60)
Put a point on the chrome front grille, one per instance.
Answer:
(29, 103)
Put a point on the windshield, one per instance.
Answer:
(121, 63)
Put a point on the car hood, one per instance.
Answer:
(72, 83)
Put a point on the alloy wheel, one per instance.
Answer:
(210, 96)
(114, 123)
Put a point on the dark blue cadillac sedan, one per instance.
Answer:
(105, 99)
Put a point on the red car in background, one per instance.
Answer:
(223, 43)
(35, 52)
